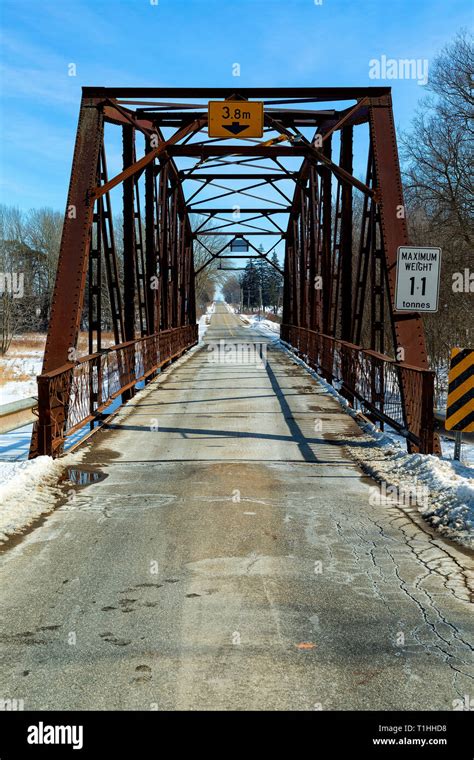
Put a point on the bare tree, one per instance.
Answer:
(231, 289)
(210, 276)
(43, 229)
(29, 246)
(437, 158)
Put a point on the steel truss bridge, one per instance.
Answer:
(339, 234)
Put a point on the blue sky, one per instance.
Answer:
(187, 43)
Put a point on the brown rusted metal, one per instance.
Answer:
(111, 262)
(114, 371)
(69, 289)
(329, 291)
(408, 333)
(344, 274)
(361, 373)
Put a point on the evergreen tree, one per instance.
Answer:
(275, 284)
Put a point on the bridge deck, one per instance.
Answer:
(230, 559)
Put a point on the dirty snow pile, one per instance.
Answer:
(203, 325)
(29, 489)
(262, 325)
(205, 320)
(440, 489)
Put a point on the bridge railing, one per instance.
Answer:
(372, 382)
(78, 392)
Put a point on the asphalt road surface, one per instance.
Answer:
(232, 559)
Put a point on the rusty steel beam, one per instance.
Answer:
(150, 243)
(408, 326)
(138, 166)
(345, 249)
(240, 176)
(309, 94)
(129, 241)
(206, 151)
(352, 301)
(408, 332)
(69, 288)
(241, 210)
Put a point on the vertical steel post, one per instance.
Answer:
(129, 253)
(345, 249)
(326, 176)
(407, 327)
(457, 445)
(68, 294)
(150, 244)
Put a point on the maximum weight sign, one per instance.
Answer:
(418, 272)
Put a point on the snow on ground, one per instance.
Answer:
(205, 320)
(15, 445)
(256, 322)
(441, 490)
(438, 488)
(261, 325)
(203, 325)
(467, 451)
(23, 370)
(30, 489)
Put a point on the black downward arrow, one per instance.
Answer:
(235, 127)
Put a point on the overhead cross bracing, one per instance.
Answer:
(297, 189)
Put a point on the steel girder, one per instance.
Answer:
(157, 292)
(329, 289)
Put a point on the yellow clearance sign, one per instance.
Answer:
(460, 403)
(235, 118)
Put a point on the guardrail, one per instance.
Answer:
(78, 392)
(373, 382)
(16, 414)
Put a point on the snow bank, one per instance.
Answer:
(262, 325)
(24, 370)
(446, 487)
(203, 324)
(439, 489)
(205, 320)
(30, 489)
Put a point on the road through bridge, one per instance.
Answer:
(232, 558)
(228, 551)
(295, 190)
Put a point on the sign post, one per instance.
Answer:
(460, 403)
(418, 273)
(457, 446)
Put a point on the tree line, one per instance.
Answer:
(260, 285)
(29, 250)
(437, 156)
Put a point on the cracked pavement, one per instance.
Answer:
(232, 559)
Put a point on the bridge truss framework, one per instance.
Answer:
(340, 236)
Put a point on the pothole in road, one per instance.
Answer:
(82, 476)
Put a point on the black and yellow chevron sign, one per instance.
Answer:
(460, 403)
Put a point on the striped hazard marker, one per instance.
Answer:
(460, 403)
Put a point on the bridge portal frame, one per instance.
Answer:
(153, 324)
